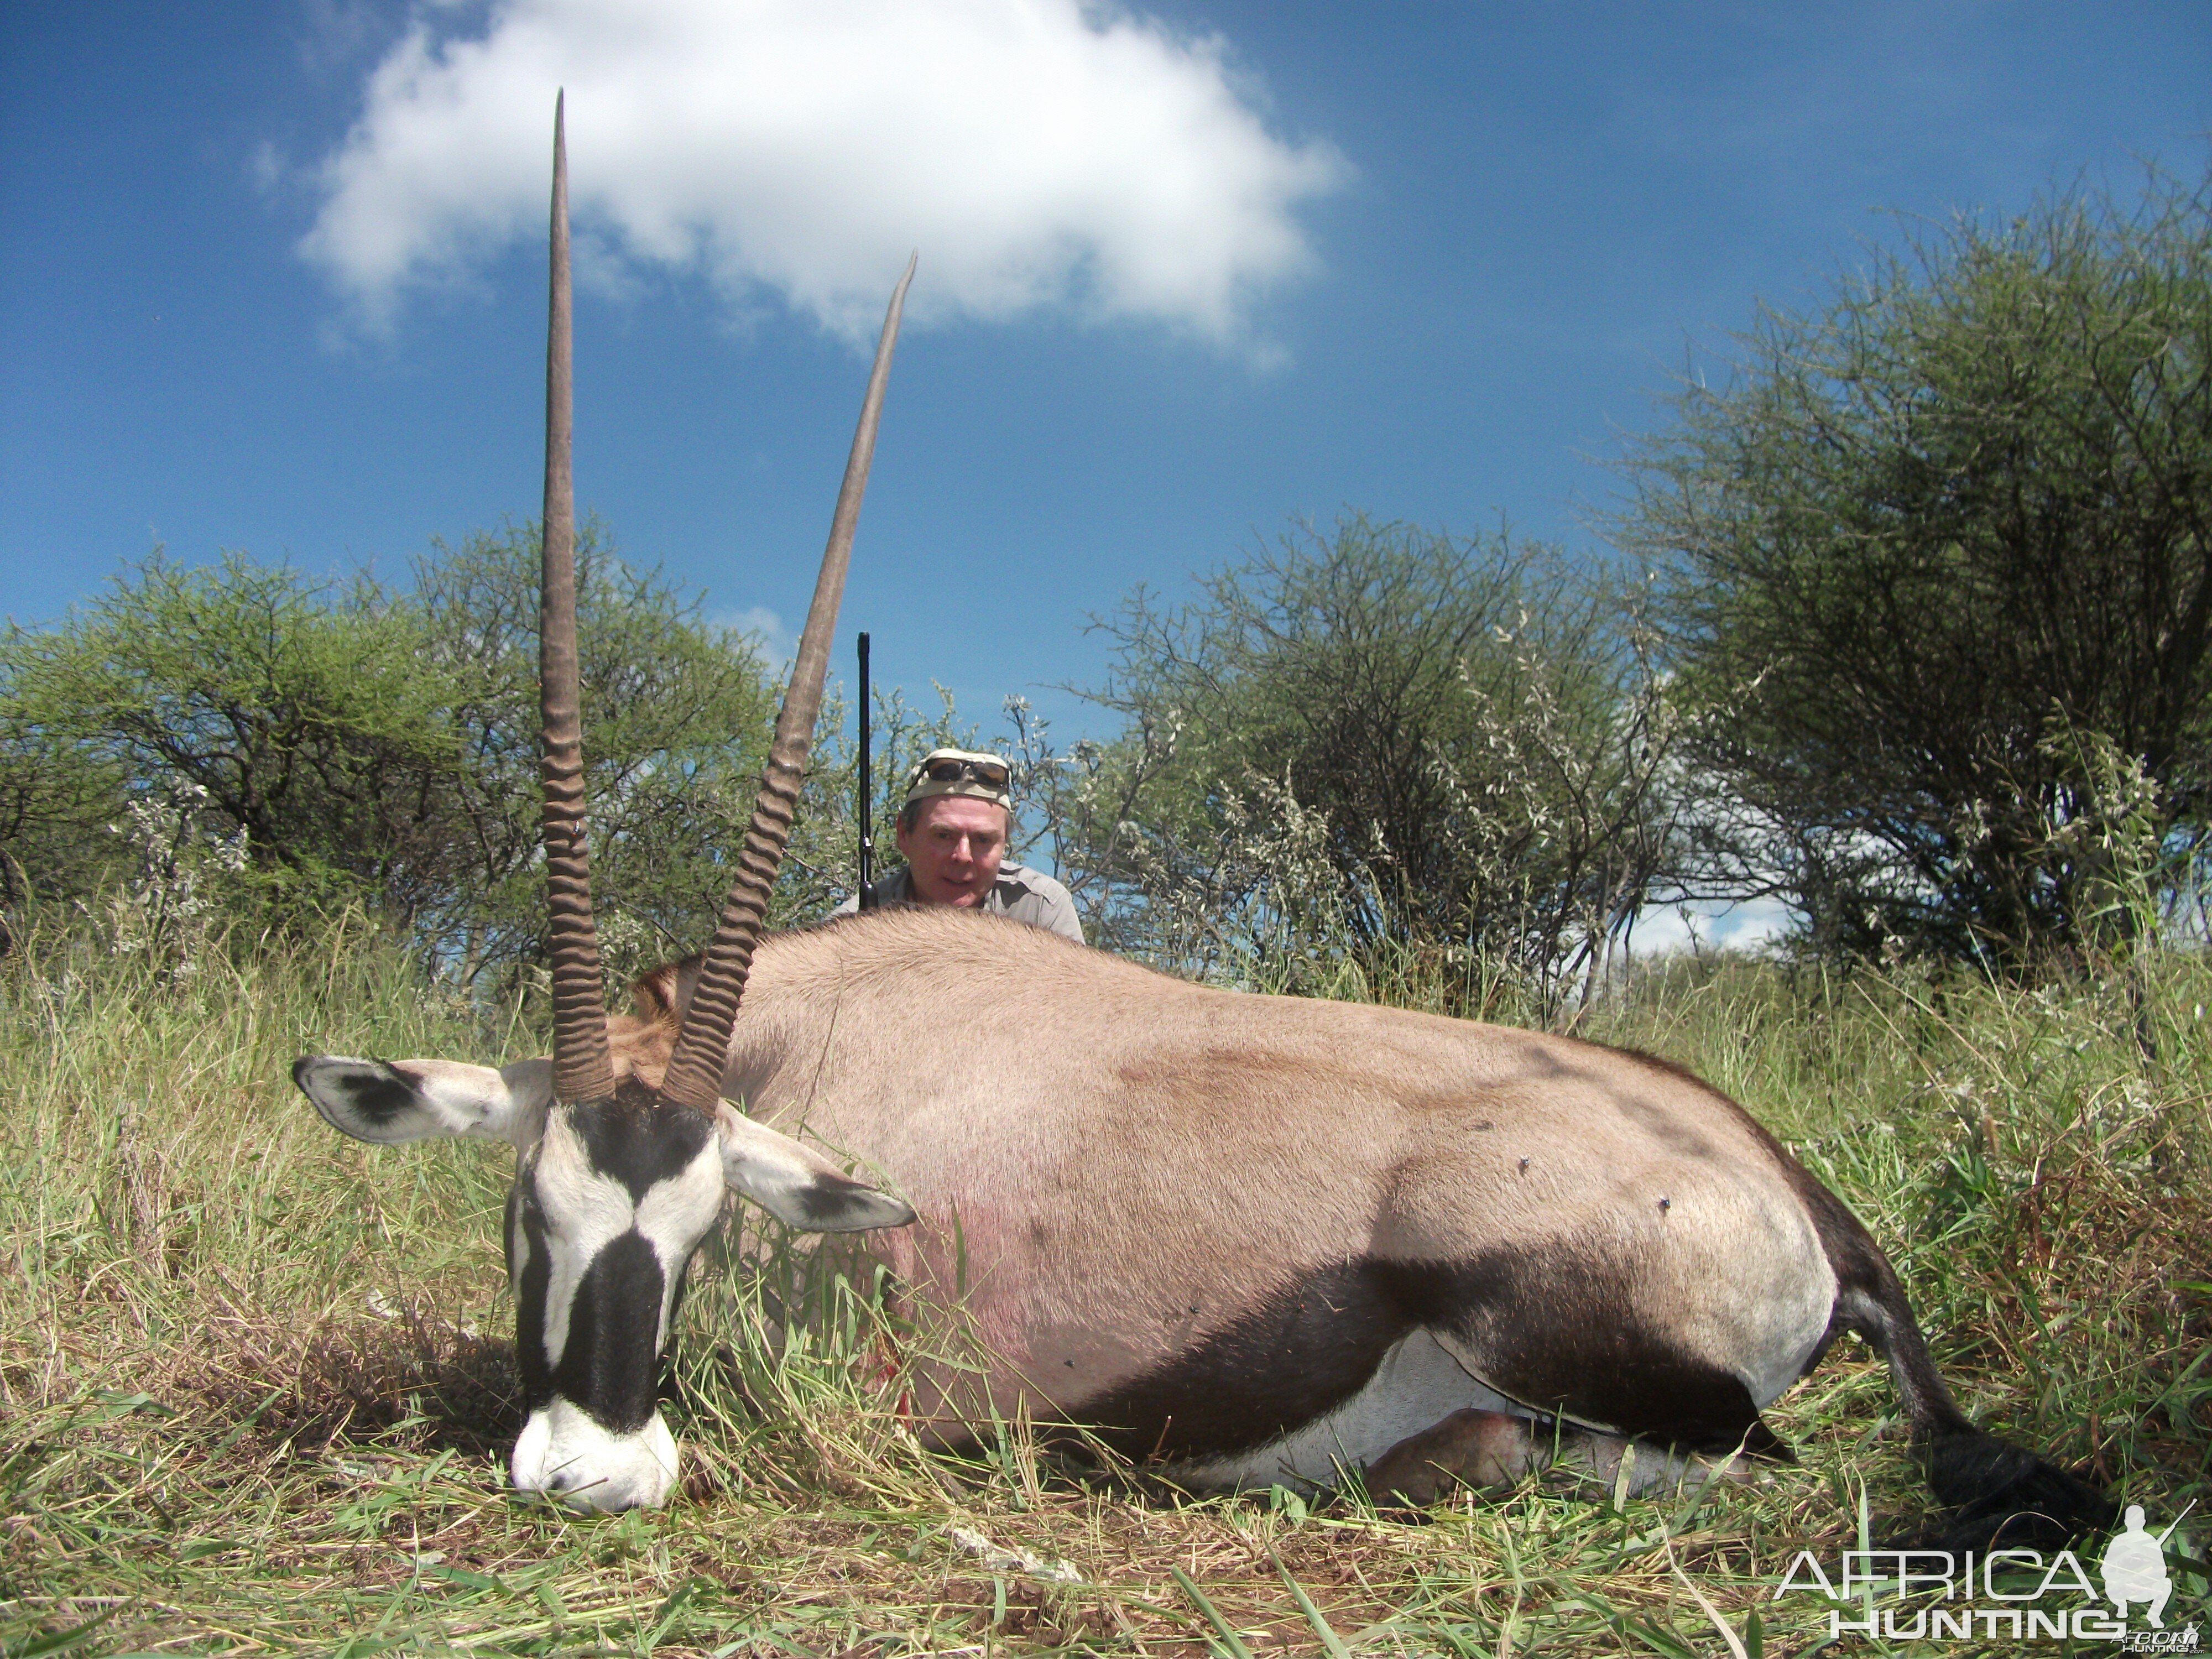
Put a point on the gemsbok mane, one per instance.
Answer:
(1251, 1239)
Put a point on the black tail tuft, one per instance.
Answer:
(1999, 1496)
(1994, 1494)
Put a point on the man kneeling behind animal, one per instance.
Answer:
(952, 832)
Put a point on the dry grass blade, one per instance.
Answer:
(1705, 1602)
(1329, 1639)
(1230, 1639)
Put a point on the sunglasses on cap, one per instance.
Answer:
(950, 768)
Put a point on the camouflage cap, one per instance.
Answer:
(961, 772)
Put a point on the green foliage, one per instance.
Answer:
(346, 743)
(1380, 735)
(1928, 536)
(676, 716)
(298, 715)
(55, 810)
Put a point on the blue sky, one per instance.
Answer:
(269, 282)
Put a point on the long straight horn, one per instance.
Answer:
(694, 1077)
(581, 1069)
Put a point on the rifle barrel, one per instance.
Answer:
(867, 827)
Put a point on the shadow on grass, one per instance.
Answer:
(411, 1383)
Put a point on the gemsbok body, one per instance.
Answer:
(1247, 1239)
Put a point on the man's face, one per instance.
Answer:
(952, 853)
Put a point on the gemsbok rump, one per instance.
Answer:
(1251, 1239)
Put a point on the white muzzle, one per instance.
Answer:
(565, 1455)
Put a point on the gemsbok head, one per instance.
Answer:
(1247, 1240)
(616, 1181)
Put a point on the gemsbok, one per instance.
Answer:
(1248, 1239)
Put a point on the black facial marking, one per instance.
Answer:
(630, 1139)
(676, 1301)
(611, 1365)
(530, 1288)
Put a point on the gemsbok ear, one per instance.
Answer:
(385, 1103)
(797, 1186)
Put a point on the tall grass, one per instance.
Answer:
(256, 1380)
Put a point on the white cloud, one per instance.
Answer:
(1038, 153)
(777, 642)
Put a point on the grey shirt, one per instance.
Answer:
(1026, 894)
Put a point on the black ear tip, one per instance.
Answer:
(358, 1098)
(870, 1208)
(307, 1067)
(841, 1204)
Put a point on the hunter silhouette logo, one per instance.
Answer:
(1919, 1595)
(2135, 1566)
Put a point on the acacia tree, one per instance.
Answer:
(53, 817)
(676, 713)
(1934, 547)
(289, 709)
(353, 743)
(1375, 736)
